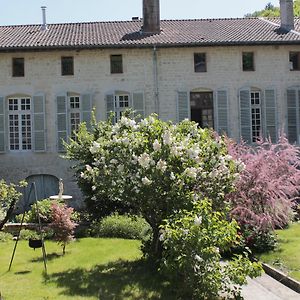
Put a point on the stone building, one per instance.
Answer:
(240, 76)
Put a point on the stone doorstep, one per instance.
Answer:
(282, 278)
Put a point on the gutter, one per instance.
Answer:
(155, 80)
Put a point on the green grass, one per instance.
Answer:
(91, 269)
(287, 255)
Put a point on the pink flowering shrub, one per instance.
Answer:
(267, 186)
(62, 224)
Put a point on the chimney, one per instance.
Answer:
(151, 16)
(287, 14)
(44, 24)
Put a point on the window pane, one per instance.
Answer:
(248, 61)
(200, 62)
(294, 60)
(18, 67)
(67, 65)
(116, 64)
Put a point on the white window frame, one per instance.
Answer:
(22, 134)
(256, 115)
(122, 103)
(74, 106)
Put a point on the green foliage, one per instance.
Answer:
(5, 236)
(44, 207)
(271, 11)
(9, 195)
(192, 242)
(26, 234)
(121, 226)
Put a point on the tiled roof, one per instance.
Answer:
(126, 34)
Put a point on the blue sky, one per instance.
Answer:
(62, 11)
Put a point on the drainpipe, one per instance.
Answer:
(155, 77)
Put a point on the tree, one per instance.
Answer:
(62, 224)
(273, 11)
(153, 166)
(8, 199)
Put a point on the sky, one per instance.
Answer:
(15, 12)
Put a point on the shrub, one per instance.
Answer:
(5, 236)
(26, 234)
(267, 186)
(121, 226)
(152, 166)
(192, 242)
(62, 225)
(44, 207)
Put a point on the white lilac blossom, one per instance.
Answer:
(144, 160)
(156, 145)
(198, 258)
(161, 165)
(89, 168)
(95, 147)
(94, 188)
(191, 172)
(146, 181)
(113, 161)
(167, 138)
(198, 220)
(120, 168)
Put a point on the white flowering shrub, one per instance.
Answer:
(153, 167)
(192, 242)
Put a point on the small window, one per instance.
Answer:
(116, 64)
(200, 62)
(248, 61)
(67, 65)
(18, 67)
(74, 102)
(294, 61)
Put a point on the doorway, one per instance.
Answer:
(202, 109)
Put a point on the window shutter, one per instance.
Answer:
(138, 105)
(2, 125)
(39, 123)
(270, 115)
(110, 104)
(86, 109)
(183, 106)
(62, 131)
(222, 112)
(245, 116)
(292, 115)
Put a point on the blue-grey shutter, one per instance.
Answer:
(110, 105)
(62, 121)
(270, 115)
(292, 115)
(39, 132)
(138, 105)
(183, 106)
(245, 116)
(2, 125)
(221, 111)
(86, 109)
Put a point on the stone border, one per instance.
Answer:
(282, 278)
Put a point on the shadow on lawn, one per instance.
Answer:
(49, 257)
(114, 281)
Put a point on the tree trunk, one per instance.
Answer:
(8, 214)
(156, 247)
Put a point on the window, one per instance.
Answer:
(202, 110)
(294, 61)
(116, 64)
(67, 65)
(121, 104)
(199, 62)
(255, 115)
(74, 105)
(19, 123)
(18, 67)
(248, 61)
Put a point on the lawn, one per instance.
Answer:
(91, 269)
(287, 255)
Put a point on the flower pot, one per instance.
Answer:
(34, 243)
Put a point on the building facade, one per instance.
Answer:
(238, 76)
